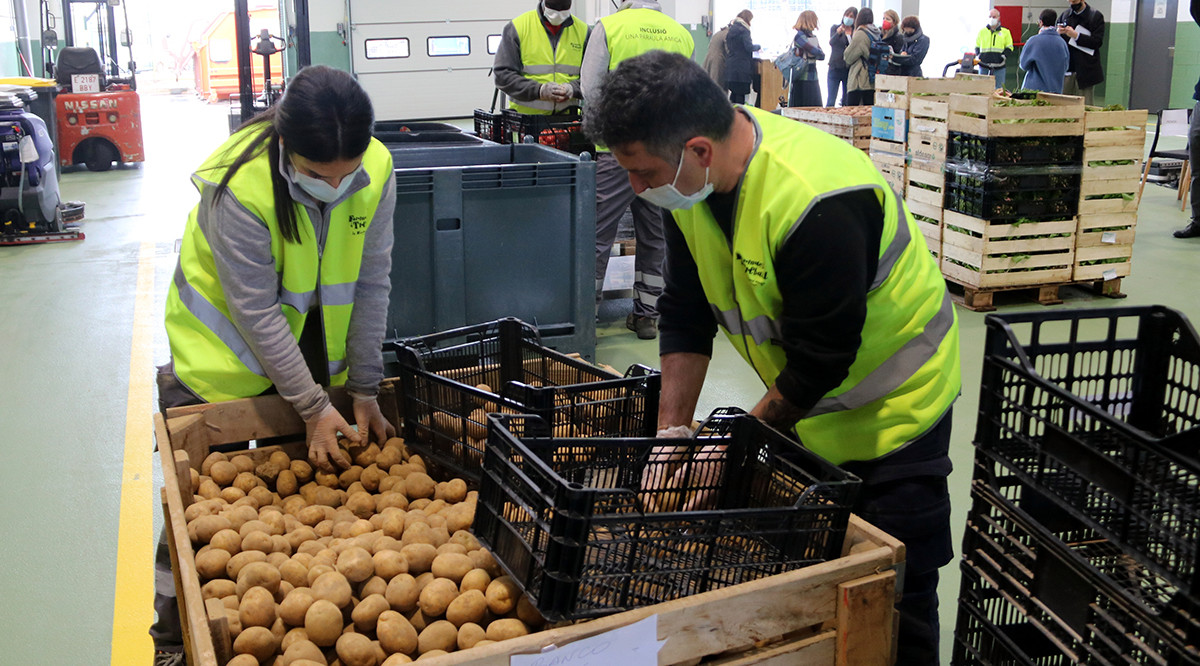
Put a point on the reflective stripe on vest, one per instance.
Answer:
(906, 372)
(546, 63)
(211, 357)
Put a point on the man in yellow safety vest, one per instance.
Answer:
(538, 59)
(993, 47)
(790, 240)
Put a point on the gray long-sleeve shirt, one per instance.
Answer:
(241, 248)
(507, 67)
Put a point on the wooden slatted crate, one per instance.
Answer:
(927, 148)
(851, 123)
(926, 184)
(983, 254)
(929, 221)
(992, 116)
(894, 174)
(1113, 150)
(837, 612)
(902, 92)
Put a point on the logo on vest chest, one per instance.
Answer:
(358, 224)
(756, 271)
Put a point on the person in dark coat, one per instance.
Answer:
(916, 46)
(1083, 28)
(714, 60)
(893, 38)
(739, 57)
(805, 89)
(839, 71)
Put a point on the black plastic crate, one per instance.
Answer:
(490, 126)
(563, 131)
(569, 520)
(997, 204)
(1100, 410)
(997, 151)
(1119, 611)
(1012, 179)
(451, 380)
(414, 126)
(993, 629)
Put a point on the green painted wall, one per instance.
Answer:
(329, 49)
(701, 38)
(1187, 64)
(10, 65)
(1118, 63)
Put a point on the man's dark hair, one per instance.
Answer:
(865, 17)
(660, 99)
(1048, 17)
(558, 5)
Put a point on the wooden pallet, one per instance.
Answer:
(987, 117)
(837, 612)
(979, 299)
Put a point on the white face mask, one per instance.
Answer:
(669, 197)
(555, 16)
(994, 22)
(319, 189)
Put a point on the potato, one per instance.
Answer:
(417, 620)
(213, 458)
(257, 608)
(295, 605)
(294, 572)
(349, 476)
(418, 485)
(367, 612)
(243, 660)
(469, 634)
(470, 606)
(373, 585)
(384, 542)
(388, 499)
(332, 587)
(311, 515)
(246, 481)
(459, 516)
(355, 650)
(232, 494)
(299, 535)
(243, 463)
(205, 507)
(393, 525)
(402, 593)
(387, 457)
(419, 557)
(397, 660)
(304, 649)
(466, 540)
(277, 559)
(227, 540)
(355, 564)
(294, 635)
(258, 540)
(202, 529)
(240, 515)
(506, 628)
(323, 622)
(527, 613)
(436, 597)
(218, 589)
(262, 495)
(223, 473)
(212, 563)
(502, 594)
(432, 654)
(482, 559)
(389, 563)
(256, 641)
(440, 635)
(208, 489)
(235, 624)
(396, 633)
(476, 579)
(257, 574)
(452, 566)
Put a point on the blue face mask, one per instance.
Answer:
(847, 21)
(319, 189)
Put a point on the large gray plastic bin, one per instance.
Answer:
(491, 231)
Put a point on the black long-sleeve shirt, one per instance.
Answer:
(824, 271)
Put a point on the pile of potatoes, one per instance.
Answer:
(374, 566)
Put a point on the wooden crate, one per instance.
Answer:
(989, 117)
(888, 152)
(837, 612)
(1126, 143)
(930, 225)
(1104, 238)
(978, 253)
(925, 186)
(850, 123)
(894, 174)
(929, 149)
(929, 126)
(1101, 197)
(929, 108)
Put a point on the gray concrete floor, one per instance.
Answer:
(67, 322)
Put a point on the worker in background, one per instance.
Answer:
(822, 282)
(839, 71)
(637, 27)
(1192, 230)
(282, 281)
(739, 57)
(539, 58)
(916, 46)
(1044, 56)
(993, 46)
(714, 60)
(1082, 28)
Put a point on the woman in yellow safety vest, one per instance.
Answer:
(283, 276)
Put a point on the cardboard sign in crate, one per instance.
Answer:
(837, 612)
(983, 254)
(928, 148)
(925, 185)
(991, 116)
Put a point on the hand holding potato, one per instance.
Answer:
(321, 434)
(370, 419)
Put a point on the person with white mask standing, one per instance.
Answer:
(993, 47)
(539, 57)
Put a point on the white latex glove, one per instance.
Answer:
(662, 466)
(321, 434)
(370, 419)
(563, 92)
(548, 92)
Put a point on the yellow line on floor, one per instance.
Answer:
(133, 609)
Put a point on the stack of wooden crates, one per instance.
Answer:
(921, 168)
(1012, 194)
(850, 123)
(1113, 147)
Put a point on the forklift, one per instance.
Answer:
(98, 111)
